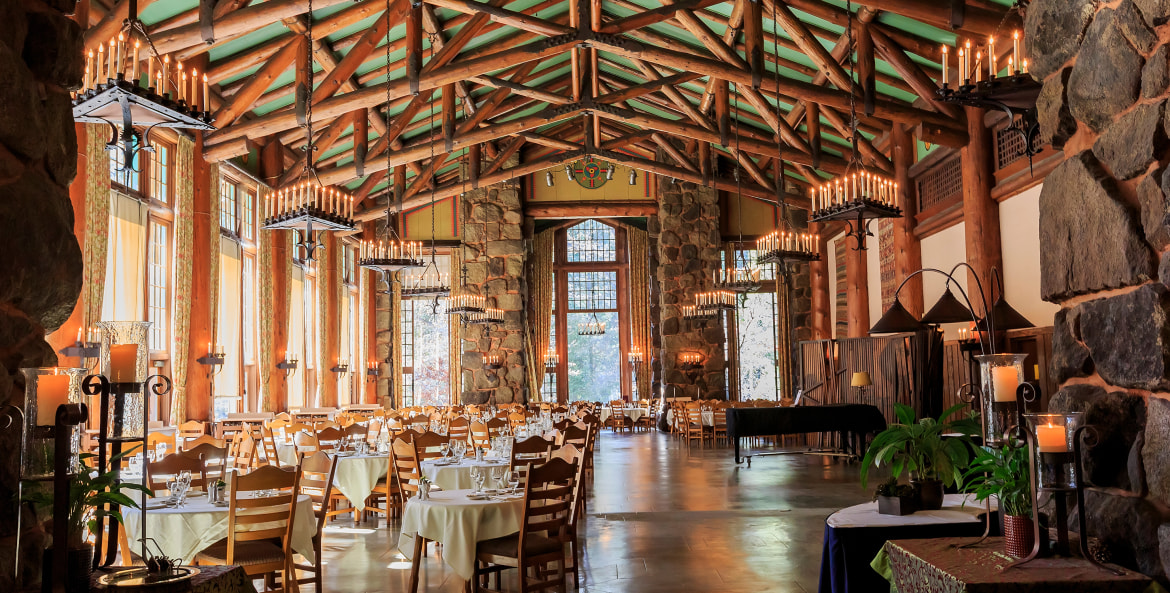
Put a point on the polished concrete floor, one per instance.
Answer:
(661, 518)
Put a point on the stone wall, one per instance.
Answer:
(494, 254)
(1104, 258)
(40, 62)
(687, 238)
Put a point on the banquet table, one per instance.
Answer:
(941, 566)
(854, 535)
(634, 414)
(456, 521)
(456, 476)
(186, 531)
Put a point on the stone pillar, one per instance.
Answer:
(653, 230)
(495, 256)
(980, 210)
(41, 267)
(907, 248)
(1103, 230)
(688, 254)
(386, 340)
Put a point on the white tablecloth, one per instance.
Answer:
(358, 474)
(952, 511)
(708, 417)
(634, 414)
(286, 454)
(451, 518)
(457, 477)
(184, 532)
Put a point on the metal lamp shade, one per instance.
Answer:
(896, 320)
(948, 309)
(1006, 317)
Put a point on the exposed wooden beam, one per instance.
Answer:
(259, 82)
(358, 53)
(922, 84)
(511, 18)
(520, 89)
(241, 21)
(635, 208)
(112, 23)
(655, 15)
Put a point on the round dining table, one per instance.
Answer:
(357, 475)
(634, 414)
(457, 476)
(459, 523)
(182, 532)
(708, 417)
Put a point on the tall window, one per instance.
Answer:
(426, 340)
(406, 339)
(753, 351)
(591, 263)
(227, 205)
(158, 297)
(237, 385)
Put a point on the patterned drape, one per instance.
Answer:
(181, 291)
(454, 328)
(540, 283)
(213, 255)
(395, 345)
(97, 221)
(639, 243)
(326, 264)
(344, 339)
(266, 357)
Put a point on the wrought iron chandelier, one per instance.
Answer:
(114, 92)
(858, 195)
(734, 277)
(307, 205)
(592, 327)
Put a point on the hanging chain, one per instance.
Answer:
(391, 190)
(310, 148)
(852, 85)
(738, 175)
(781, 197)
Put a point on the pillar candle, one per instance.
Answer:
(123, 363)
(1052, 438)
(134, 73)
(88, 70)
(166, 75)
(1004, 381)
(52, 391)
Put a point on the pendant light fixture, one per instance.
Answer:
(306, 205)
(429, 281)
(734, 277)
(858, 195)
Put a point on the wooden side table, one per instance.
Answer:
(939, 566)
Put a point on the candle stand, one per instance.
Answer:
(1055, 445)
(68, 420)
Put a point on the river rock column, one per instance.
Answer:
(41, 267)
(688, 255)
(494, 254)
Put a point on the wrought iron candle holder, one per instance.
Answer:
(1056, 444)
(690, 362)
(493, 362)
(372, 372)
(340, 368)
(288, 366)
(214, 360)
(1001, 398)
(45, 389)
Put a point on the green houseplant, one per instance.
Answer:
(90, 490)
(894, 498)
(1003, 473)
(920, 448)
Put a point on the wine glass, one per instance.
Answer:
(445, 449)
(498, 472)
(477, 478)
(514, 480)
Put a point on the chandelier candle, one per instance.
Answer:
(52, 391)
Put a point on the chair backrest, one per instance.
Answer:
(244, 453)
(589, 419)
(188, 431)
(574, 455)
(295, 428)
(419, 423)
(548, 502)
(458, 428)
(158, 472)
(563, 424)
(517, 419)
(532, 450)
(407, 434)
(429, 445)
(406, 466)
(496, 426)
(329, 437)
(317, 471)
(269, 440)
(356, 432)
(285, 416)
(374, 429)
(205, 439)
(257, 518)
(573, 435)
(213, 458)
(168, 441)
(480, 437)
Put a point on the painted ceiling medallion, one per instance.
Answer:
(590, 173)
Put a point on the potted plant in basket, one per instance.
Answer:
(895, 499)
(89, 491)
(935, 452)
(1003, 473)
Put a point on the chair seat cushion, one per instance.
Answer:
(509, 546)
(247, 553)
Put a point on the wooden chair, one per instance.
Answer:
(293, 429)
(573, 435)
(495, 428)
(576, 456)
(429, 445)
(189, 431)
(168, 441)
(355, 432)
(243, 454)
(268, 440)
(405, 463)
(617, 417)
(205, 439)
(480, 436)
(214, 459)
(544, 529)
(517, 419)
(693, 424)
(387, 491)
(329, 438)
(317, 473)
(458, 428)
(719, 429)
(159, 472)
(532, 450)
(259, 527)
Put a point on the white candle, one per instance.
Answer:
(1004, 381)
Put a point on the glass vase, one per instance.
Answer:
(39, 445)
(125, 357)
(1055, 467)
(1000, 375)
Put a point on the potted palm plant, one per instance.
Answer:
(935, 452)
(1003, 473)
(90, 490)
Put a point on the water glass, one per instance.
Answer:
(514, 480)
(477, 478)
(498, 472)
(445, 450)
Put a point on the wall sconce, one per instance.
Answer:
(341, 367)
(288, 366)
(690, 361)
(86, 347)
(493, 362)
(633, 176)
(372, 372)
(569, 172)
(609, 171)
(214, 359)
(548, 178)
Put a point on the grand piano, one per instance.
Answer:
(853, 421)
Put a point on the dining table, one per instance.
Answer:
(457, 475)
(357, 475)
(708, 417)
(634, 414)
(458, 522)
(182, 532)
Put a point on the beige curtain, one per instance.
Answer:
(125, 282)
(296, 337)
(540, 283)
(326, 396)
(454, 329)
(227, 382)
(395, 346)
(97, 221)
(213, 215)
(181, 294)
(344, 338)
(639, 244)
(266, 357)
